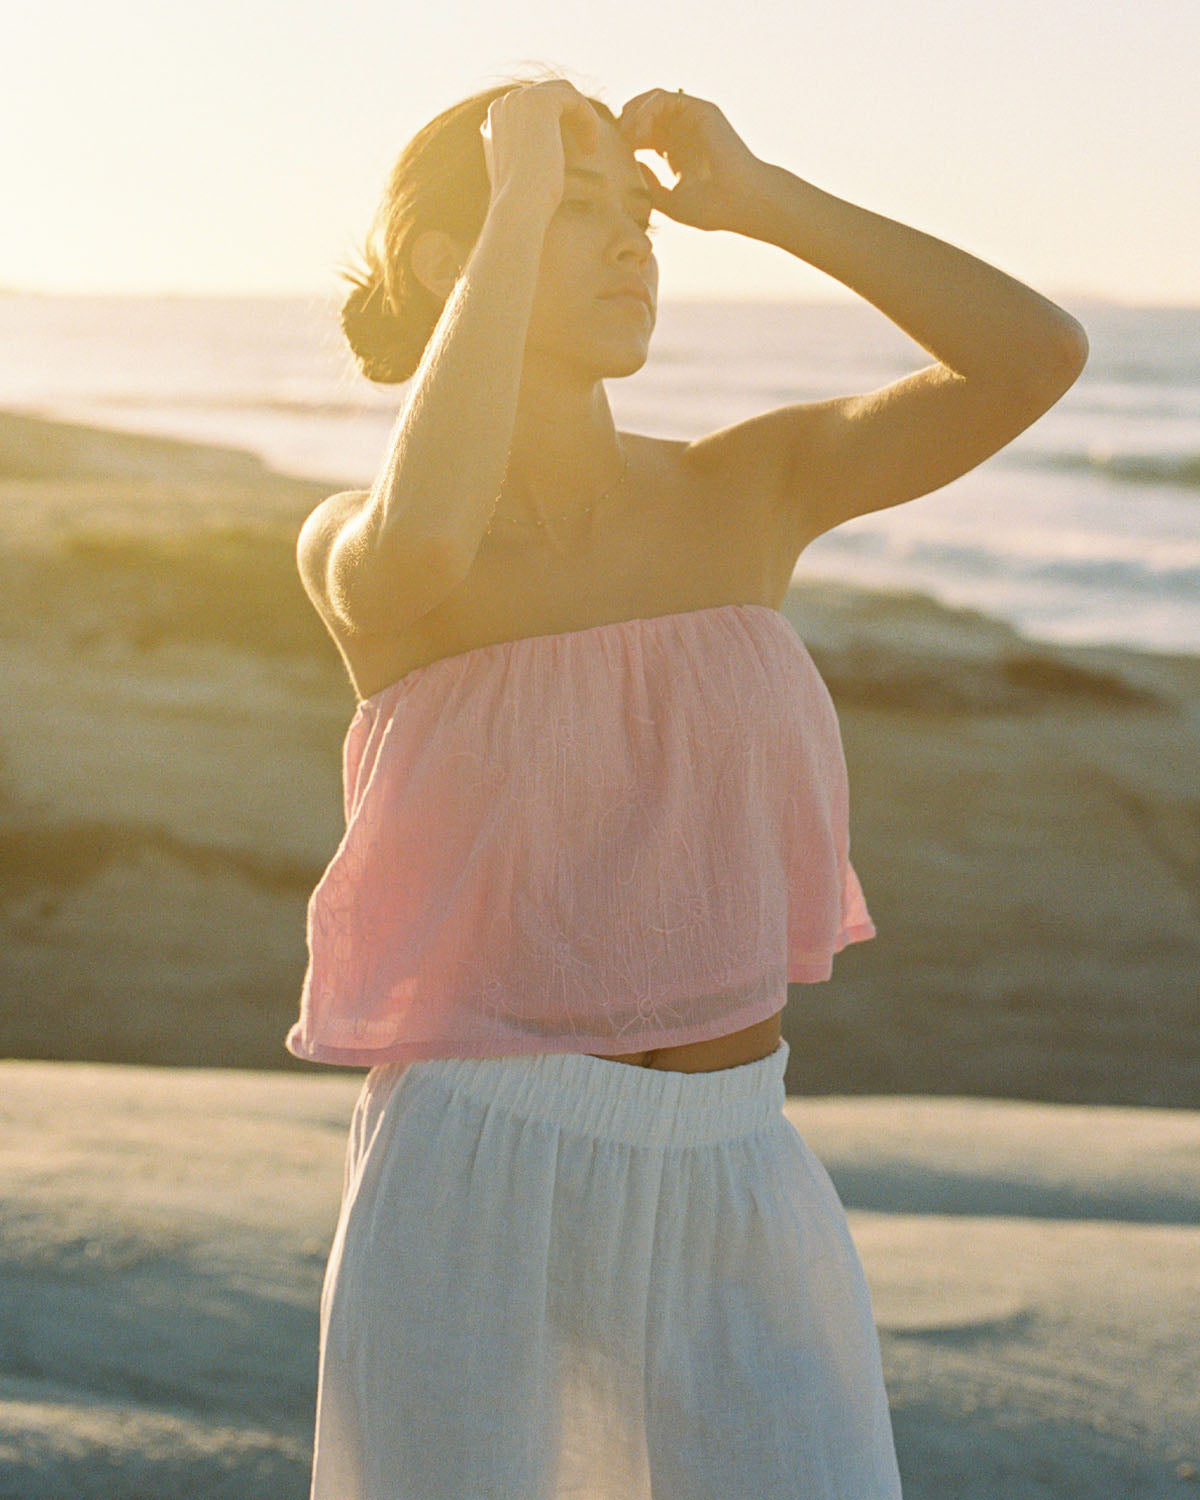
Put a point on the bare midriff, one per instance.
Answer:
(731, 1051)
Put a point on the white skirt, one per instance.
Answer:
(559, 1276)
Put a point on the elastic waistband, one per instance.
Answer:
(620, 1101)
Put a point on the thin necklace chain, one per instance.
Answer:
(521, 521)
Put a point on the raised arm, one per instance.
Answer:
(416, 534)
(1004, 353)
(410, 541)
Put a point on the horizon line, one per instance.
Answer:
(332, 296)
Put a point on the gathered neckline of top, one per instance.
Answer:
(564, 635)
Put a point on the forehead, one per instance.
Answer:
(612, 167)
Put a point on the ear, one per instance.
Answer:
(437, 259)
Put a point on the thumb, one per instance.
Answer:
(659, 195)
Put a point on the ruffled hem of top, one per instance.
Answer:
(815, 968)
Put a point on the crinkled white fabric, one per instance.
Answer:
(613, 840)
(565, 1278)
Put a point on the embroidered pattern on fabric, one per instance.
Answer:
(631, 834)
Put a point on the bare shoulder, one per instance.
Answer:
(733, 452)
(715, 489)
(733, 482)
(324, 521)
(317, 535)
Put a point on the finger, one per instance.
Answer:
(659, 195)
(586, 123)
(632, 107)
(652, 116)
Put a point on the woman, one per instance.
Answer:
(596, 821)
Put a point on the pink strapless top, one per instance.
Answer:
(609, 840)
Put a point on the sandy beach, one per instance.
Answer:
(1004, 1084)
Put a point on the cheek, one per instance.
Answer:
(578, 244)
(572, 260)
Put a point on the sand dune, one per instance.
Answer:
(1033, 1269)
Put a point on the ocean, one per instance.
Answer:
(1084, 530)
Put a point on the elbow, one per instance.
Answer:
(1077, 348)
(1060, 366)
(1044, 370)
(380, 583)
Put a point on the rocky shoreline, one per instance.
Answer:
(1025, 819)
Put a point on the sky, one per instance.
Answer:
(242, 147)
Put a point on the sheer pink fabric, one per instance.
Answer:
(608, 840)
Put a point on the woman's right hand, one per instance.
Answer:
(523, 141)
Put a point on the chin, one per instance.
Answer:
(616, 357)
(617, 367)
(626, 350)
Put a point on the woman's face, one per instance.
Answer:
(595, 242)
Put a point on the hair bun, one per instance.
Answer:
(374, 332)
(439, 181)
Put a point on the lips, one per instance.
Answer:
(635, 306)
(631, 289)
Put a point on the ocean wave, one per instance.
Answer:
(1106, 571)
(351, 405)
(1136, 468)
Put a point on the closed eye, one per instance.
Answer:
(646, 228)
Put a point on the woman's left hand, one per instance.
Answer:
(721, 183)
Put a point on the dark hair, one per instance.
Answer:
(439, 181)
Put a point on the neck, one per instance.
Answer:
(564, 456)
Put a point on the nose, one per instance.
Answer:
(633, 237)
(629, 226)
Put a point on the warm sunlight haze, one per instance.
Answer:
(240, 147)
(694, 994)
